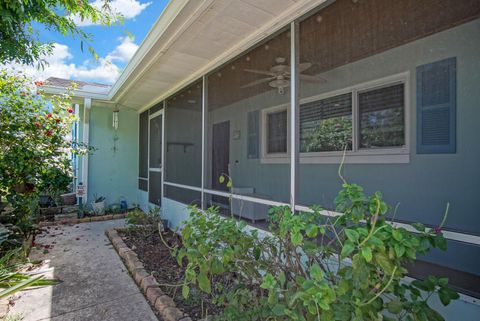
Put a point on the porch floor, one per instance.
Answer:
(95, 284)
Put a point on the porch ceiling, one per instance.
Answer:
(196, 36)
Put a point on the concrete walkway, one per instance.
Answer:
(96, 285)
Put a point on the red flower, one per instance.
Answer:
(57, 120)
(38, 124)
(49, 115)
(49, 132)
(70, 110)
(39, 83)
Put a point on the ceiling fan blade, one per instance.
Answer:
(260, 72)
(258, 82)
(312, 78)
(304, 66)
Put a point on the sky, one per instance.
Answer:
(115, 45)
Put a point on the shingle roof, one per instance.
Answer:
(60, 82)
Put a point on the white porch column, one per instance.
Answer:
(294, 111)
(87, 104)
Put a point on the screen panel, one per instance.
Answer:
(248, 141)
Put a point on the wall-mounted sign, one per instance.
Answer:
(81, 190)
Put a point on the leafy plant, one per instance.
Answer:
(331, 134)
(34, 151)
(98, 199)
(312, 266)
(13, 280)
(19, 42)
(147, 223)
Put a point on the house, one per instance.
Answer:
(273, 93)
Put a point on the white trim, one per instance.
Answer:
(451, 235)
(155, 169)
(87, 105)
(192, 188)
(294, 110)
(264, 131)
(155, 114)
(393, 155)
(163, 151)
(56, 90)
(245, 198)
(204, 138)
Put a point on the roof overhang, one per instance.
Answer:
(191, 38)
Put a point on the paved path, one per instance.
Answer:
(96, 285)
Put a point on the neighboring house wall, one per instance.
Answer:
(113, 166)
(425, 184)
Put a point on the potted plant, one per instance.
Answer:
(98, 204)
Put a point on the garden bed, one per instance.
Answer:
(158, 261)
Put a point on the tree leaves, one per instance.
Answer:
(395, 306)
(268, 282)
(397, 235)
(185, 291)
(292, 274)
(204, 283)
(296, 238)
(352, 235)
(446, 295)
(347, 249)
(367, 253)
(316, 272)
(19, 40)
(384, 262)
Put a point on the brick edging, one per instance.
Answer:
(84, 220)
(147, 283)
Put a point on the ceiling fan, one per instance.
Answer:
(279, 75)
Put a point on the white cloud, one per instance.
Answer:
(129, 9)
(60, 64)
(123, 52)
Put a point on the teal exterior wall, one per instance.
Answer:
(425, 184)
(113, 172)
(422, 186)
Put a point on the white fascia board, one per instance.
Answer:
(54, 90)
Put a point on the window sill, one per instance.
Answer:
(360, 157)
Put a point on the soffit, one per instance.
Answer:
(202, 32)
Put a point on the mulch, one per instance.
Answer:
(159, 262)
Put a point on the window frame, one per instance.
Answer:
(264, 132)
(387, 155)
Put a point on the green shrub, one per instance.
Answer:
(34, 149)
(312, 267)
(147, 223)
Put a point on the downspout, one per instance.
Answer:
(87, 104)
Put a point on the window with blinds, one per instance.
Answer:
(326, 124)
(381, 115)
(362, 118)
(277, 132)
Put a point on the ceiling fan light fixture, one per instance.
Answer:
(277, 83)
